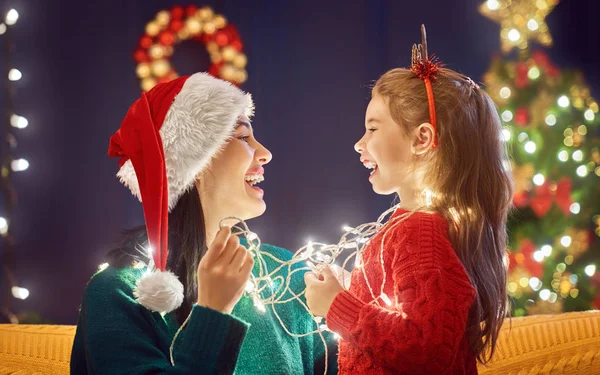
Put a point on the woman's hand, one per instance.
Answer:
(321, 291)
(223, 272)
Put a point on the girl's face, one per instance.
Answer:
(387, 150)
(228, 184)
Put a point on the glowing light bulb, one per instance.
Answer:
(11, 17)
(566, 241)
(346, 228)
(589, 115)
(505, 92)
(533, 73)
(563, 156)
(2, 28)
(535, 283)
(530, 147)
(386, 299)
(507, 116)
(259, 305)
(3, 226)
(19, 165)
(532, 25)
(252, 236)
(14, 75)
(492, 4)
(575, 208)
(578, 155)
(19, 122)
(563, 101)
(546, 250)
(522, 137)
(550, 120)
(538, 179)
(544, 294)
(514, 35)
(582, 171)
(538, 256)
(590, 270)
(20, 293)
(103, 266)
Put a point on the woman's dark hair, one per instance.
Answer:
(187, 245)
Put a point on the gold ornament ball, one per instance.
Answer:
(240, 76)
(205, 13)
(193, 26)
(209, 28)
(160, 68)
(152, 29)
(228, 53)
(183, 34)
(156, 51)
(163, 18)
(212, 47)
(148, 83)
(143, 70)
(228, 72)
(240, 61)
(215, 57)
(219, 21)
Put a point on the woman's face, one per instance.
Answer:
(228, 184)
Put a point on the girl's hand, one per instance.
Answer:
(321, 290)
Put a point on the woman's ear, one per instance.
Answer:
(423, 138)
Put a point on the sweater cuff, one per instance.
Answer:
(343, 313)
(210, 336)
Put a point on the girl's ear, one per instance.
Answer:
(423, 138)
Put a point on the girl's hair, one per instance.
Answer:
(187, 246)
(470, 183)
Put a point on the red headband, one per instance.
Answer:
(426, 69)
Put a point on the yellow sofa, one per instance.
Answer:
(541, 344)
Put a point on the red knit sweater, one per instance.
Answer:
(422, 332)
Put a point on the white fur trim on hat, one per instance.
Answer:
(197, 126)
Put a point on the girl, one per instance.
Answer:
(189, 153)
(429, 297)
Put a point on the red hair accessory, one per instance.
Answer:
(426, 69)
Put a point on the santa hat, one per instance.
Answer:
(167, 138)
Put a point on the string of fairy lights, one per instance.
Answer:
(10, 164)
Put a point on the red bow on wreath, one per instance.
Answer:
(545, 196)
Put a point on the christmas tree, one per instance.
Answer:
(553, 134)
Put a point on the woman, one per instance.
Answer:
(188, 148)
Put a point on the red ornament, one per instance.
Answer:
(522, 117)
(166, 38)
(145, 42)
(222, 39)
(542, 201)
(176, 25)
(215, 69)
(521, 79)
(521, 199)
(237, 45)
(190, 10)
(140, 55)
(176, 12)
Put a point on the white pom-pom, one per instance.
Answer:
(159, 291)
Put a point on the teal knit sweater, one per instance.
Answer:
(116, 335)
